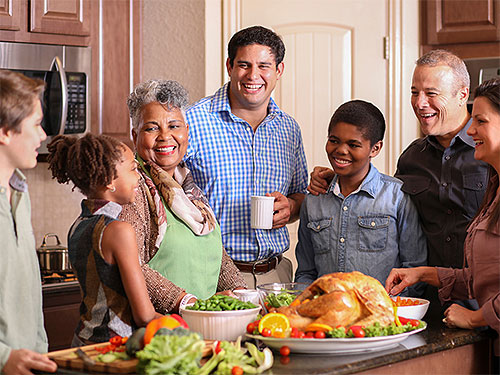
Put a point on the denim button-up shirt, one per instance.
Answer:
(372, 230)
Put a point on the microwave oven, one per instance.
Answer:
(66, 71)
(480, 70)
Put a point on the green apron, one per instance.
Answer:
(191, 262)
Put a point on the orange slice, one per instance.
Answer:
(318, 327)
(278, 324)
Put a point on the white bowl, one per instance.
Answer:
(219, 325)
(415, 311)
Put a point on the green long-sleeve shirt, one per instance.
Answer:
(21, 316)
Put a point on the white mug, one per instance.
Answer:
(261, 212)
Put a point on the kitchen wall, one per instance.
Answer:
(173, 43)
(54, 206)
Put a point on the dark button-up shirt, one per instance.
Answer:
(447, 187)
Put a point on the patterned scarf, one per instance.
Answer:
(180, 194)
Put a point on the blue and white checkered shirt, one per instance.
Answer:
(230, 163)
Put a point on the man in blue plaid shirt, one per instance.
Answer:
(241, 144)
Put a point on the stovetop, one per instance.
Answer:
(58, 277)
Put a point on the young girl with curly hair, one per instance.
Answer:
(103, 249)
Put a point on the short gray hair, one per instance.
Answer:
(168, 93)
(442, 57)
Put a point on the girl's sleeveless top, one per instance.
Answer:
(105, 311)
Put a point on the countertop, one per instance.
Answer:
(437, 337)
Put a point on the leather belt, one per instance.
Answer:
(259, 266)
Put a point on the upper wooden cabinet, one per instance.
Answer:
(67, 17)
(65, 22)
(470, 28)
(10, 15)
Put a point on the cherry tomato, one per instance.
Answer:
(116, 340)
(301, 335)
(319, 335)
(266, 332)
(309, 335)
(237, 370)
(285, 350)
(294, 333)
(405, 321)
(285, 360)
(250, 327)
(358, 331)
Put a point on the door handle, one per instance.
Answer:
(58, 67)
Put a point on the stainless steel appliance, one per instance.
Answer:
(66, 71)
(480, 70)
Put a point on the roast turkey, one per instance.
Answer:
(343, 299)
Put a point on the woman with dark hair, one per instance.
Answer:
(481, 278)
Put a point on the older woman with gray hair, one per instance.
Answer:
(179, 239)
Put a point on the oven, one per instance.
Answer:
(66, 71)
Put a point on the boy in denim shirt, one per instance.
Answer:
(364, 222)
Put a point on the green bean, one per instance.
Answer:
(221, 303)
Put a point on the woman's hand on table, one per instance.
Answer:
(457, 316)
(22, 361)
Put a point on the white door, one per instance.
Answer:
(331, 57)
(335, 52)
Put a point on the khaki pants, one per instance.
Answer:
(283, 273)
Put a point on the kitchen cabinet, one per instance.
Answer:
(116, 65)
(61, 312)
(469, 28)
(65, 22)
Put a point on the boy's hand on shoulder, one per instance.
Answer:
(22, 361)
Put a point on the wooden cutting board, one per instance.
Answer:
(67, 358)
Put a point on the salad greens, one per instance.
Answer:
(375, 330)
(171, 354)
(176, 355)
(231, 355)
(277, 300)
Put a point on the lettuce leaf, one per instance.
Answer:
(167, 355)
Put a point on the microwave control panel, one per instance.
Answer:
(77, 103)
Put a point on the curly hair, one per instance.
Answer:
(89, 162)
(18, 94)
(364, 116)
(256, 35)
(168, 93)
(442, 57)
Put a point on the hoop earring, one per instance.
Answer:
(112, 189)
